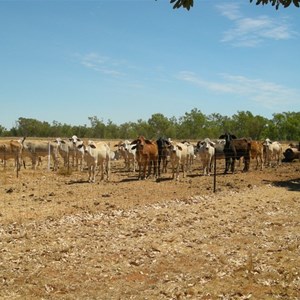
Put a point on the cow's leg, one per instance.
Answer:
(155, 168)
(227, 163)
(158, 165)
(177, 170)
(33, 161)
(232, 164)
(102, 170)
(173, 170)
(90, 172)
(246, 164)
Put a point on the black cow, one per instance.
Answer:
(163, 152)
(234, 149)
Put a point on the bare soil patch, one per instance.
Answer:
(64, 238)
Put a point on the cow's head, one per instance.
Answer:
(228, 138)
(74, 139)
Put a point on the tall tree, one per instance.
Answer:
(192, 125)
(187, 4)
(159, 125)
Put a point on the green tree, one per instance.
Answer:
(2, 130)
(192, 125)
(143, 128)
(32, 127)
(187, 4)
(98, 128)
(127, 131)
(111, 130)
(285, 126)
(158, 125)
(248, 125)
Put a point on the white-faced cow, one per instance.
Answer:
(128, 152)
(273, 151)
(206, 151)
(178, 159)
(96, 154)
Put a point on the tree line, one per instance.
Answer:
(192, 125)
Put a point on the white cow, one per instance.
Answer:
(206, 151)
(273, 150)
(128, 152)
(75, 154)
(178, 158)
(36, 149)
(96, 154)
(190, 155)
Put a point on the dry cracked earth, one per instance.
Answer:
(64, 238)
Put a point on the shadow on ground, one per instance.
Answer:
(291, 185)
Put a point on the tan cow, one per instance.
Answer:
(257, 152)
(11, 150)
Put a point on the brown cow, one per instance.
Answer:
(146, 155)
(257, 152)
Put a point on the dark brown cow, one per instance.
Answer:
(235, 149)
(146, 155)
(163, 154)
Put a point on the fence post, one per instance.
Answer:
(215, 171)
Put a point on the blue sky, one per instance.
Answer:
(124, 60)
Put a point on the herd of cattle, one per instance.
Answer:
(142, 154)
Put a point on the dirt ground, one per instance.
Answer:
(64, 238)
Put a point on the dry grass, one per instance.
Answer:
(64, 238)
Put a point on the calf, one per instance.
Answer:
(257, 152)
(273, 150)
(96, 154)
(146, 155)
(128, 152)
(206, 151)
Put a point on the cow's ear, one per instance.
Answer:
(222, 136)
(62, 141)
(148, 142)
(212, 144)
(80, 146)
(92, 146)
(233, 136)
(133, 147)
(179, 147)
(134, 142)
